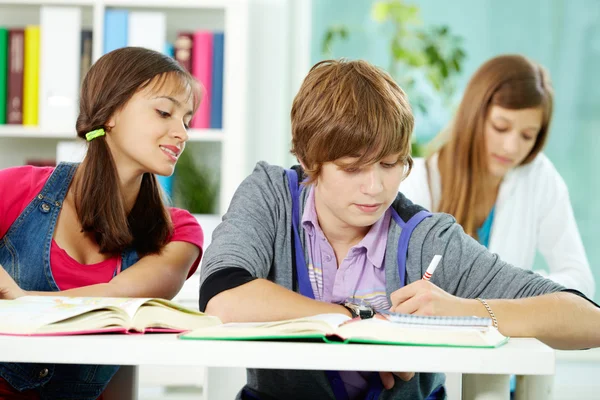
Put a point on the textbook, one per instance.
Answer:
(387, 328)
(55, 315)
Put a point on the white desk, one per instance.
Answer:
(519, 356)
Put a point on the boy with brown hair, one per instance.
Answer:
(288, 249)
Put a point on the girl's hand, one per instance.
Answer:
(9, 290)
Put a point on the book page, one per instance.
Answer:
(33, 314)
(176, 319)
(314, 326)
(128, 305)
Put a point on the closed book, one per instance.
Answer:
(216, 105)
(59, 85)
(31, 76)
(3, 73)
(183, 50)
(16, 59)
(202, 54)
(147, 29)
(115, 29)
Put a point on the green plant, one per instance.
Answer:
(415, 51)
(194, 187)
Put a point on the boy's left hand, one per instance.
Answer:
(9, 289)
(424, 298)
(387, 378)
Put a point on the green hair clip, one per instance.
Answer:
(94, 134)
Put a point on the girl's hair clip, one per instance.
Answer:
(94, 134)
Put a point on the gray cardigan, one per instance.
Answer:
(256, 236)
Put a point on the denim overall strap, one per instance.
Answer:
(26, 251)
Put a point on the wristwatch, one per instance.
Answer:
(359, 309)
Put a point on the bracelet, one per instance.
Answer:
(489, 310)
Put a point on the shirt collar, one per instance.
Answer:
(374, 242)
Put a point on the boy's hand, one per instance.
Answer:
(424, 298)
(387, 378)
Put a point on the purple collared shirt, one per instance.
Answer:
(360, 275)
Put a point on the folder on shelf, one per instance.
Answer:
(31, 75)
(147, 29)
(216, 105)
(202, 54)
(16, 59)
(115, 29)
(3, 73)
(61, 66)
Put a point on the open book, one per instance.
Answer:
(397, 329)
(53, 315)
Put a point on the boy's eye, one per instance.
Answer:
(351, 170)
(163, 114)
(389, 165)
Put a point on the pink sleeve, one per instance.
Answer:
(18, 187)
(187, 229)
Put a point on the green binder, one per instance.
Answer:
(3, 73)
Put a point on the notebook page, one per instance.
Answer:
(410, 319)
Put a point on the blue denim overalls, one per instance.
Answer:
(25, 255)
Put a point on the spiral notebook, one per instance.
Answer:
(390, 329)
(410, 319)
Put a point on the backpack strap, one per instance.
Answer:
(407, 230)
(300, 263)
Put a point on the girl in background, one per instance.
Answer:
(491, 175)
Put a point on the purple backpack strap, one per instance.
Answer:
(407, 230)
(301, 267)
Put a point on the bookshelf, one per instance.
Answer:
(19, 143)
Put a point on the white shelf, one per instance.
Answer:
(49, 2)
(25, 132)
(199, 4)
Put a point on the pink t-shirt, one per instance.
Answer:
(20, 185)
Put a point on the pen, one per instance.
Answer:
(432, 266)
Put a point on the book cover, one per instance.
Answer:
(202, 54)
(3, 73)
(59, 77)
(183, 50)
(216, 106)
(115, 29)
(31, 75)
(16, 59)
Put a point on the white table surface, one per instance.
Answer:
(518, 356)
